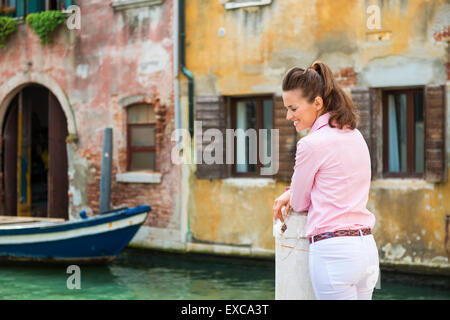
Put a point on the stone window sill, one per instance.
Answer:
(401, 184)
(234, 5)
(19, 20)
(249, 182)
(139, 177)
(131, 4)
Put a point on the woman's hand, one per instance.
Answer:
(280, 202)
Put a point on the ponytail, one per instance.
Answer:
(318, 80)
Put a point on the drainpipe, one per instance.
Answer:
(186, 72)
(179, 58)
(176, 67)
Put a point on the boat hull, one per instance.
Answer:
(92, 241)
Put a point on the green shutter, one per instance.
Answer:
(36, 6)
(67, 3)
(20, 8)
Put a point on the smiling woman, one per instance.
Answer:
(331, 181)
(309, 93)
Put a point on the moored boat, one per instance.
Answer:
(90, 240)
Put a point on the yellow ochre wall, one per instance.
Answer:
(258, 46)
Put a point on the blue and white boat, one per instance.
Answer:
(90, 240)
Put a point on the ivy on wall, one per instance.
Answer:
(44, 23)
(7, 26)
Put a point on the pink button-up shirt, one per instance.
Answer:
(331, 179)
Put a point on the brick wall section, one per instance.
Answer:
(443, 35)
(96, 67)
(161, 196)
(346, 77)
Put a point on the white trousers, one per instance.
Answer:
(344, 268)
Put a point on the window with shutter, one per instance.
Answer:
(210, 114)
(55, 5)
(263, 112)
(403, 133)
(36, 6)
(287, 140)
(20, 8)
(33, 6)
(405, 129)
(252, 122)
(363, 101)
(435, 126)
(7, 7)
(67, 3)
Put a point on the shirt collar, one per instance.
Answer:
(320, 122)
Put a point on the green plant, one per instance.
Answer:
(7, 26)
(44, 23)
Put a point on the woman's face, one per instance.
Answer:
(302, 113)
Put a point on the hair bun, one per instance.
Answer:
(316, 67)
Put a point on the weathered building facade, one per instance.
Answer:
(391, 56)
(121, 71)
(56, 99)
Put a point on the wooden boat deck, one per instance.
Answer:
(6, 220)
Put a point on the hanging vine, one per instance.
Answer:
(7, 26)
(44, 23)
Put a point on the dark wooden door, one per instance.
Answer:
(24, 154)
(57, 160)
(10, 160)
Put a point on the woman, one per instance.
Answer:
(331, 181)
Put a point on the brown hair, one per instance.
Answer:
(318, 80)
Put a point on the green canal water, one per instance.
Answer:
(150, 275)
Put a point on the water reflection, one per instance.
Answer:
(19, 282)
(149, 275)
(182, 277)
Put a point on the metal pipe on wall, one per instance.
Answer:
(178, 38)
(176, 67)
(186, 72)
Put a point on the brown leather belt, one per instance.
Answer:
(339, 233)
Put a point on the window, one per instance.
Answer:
(23, 7)
(403, 128)
(141, 137)
(55, 5)
(262, 112)
(251, 113)
(7, 7)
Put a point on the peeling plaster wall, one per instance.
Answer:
(116, 55)
(226, 210)
(246, 51)
(410, 227)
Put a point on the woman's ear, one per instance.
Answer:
(318, 103)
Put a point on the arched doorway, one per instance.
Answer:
(34, 155)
